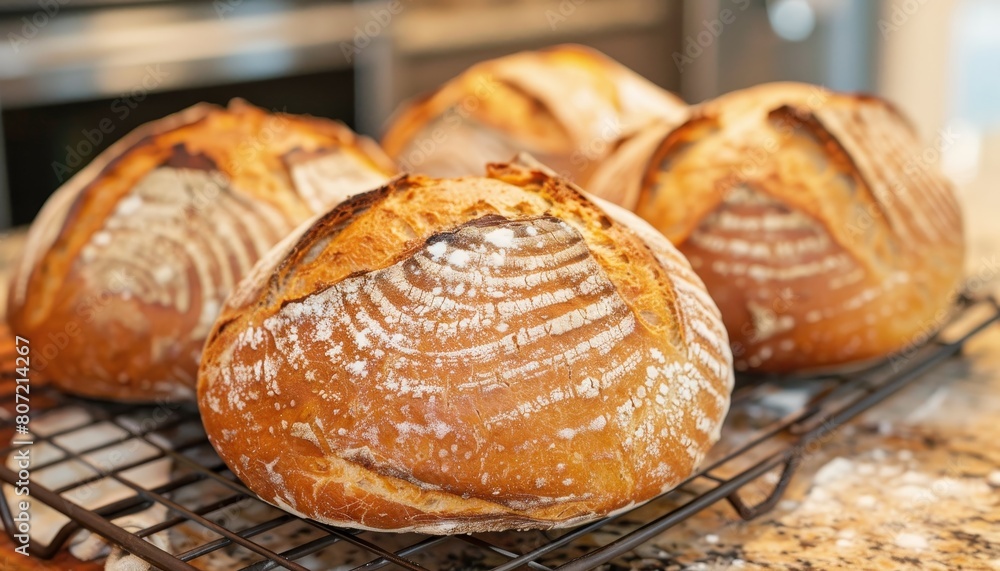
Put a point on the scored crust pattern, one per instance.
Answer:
(127, 266)
(813, 217)
(492, 373)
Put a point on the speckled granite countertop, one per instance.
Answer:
(912, 484)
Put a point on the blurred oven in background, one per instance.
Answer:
(80, 76)
(428, 43)
(732, 44)
(94, 70)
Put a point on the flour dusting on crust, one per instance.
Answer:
(498, 375)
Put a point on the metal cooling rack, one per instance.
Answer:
(213, 521)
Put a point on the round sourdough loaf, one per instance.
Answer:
(815, 219)
(566, 105)
(127, 265)
(466, 355)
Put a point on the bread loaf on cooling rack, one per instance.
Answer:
(816, 224)
(566, 105)
(127, 265)
(466, 355)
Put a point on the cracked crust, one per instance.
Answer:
(566, 105)
(463, 355)
(140, 248)
(818, 228)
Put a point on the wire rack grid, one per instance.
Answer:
(208, 520)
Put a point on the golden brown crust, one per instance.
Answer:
(459, 355)
(818, 229)
(128, 263)
(566, 105)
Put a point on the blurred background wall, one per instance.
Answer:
(77, 74)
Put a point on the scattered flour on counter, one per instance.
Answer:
(993, 478)
(866, 502)
(787, 505)
(866, 469)
(835, 470)
(788, 400)
(929, 407)
(911, 541)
